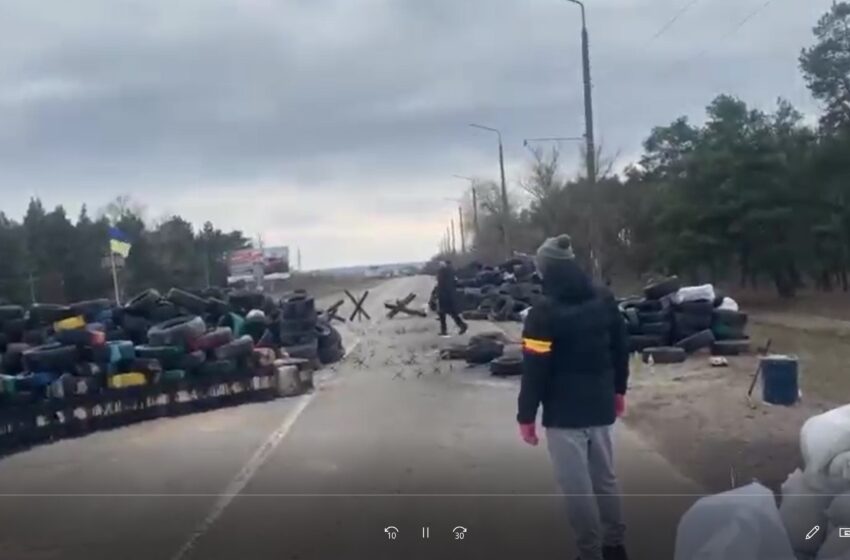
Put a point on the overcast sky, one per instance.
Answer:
(336, 125)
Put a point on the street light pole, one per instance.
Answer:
(505, 209)
(454, 242)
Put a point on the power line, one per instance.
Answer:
(673, 20)
(747, 19)
(673, 66)
(661, 31)
(677, 65)
(732, 31)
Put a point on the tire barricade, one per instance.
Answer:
(672, 321)
(68, 370)
(27, 424)
(499, 293)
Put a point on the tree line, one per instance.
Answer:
(749, 196)
(47, 257)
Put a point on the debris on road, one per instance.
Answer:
(488, 348)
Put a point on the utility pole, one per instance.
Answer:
(299, 259)
(474, 202)
(454, 241)
(588, 97)
(505, 210)
(475, 209)
(590, 145)
(462, 237)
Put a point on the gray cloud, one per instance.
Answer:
(350, 102)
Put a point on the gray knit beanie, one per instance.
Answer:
(554, 251)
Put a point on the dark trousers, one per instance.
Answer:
(451, 311)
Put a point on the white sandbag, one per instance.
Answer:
(740, 524)
(802, 508)
(834, 547)
(695, 293)
(729, 304)
(838, 512)
(825, 444)
(839, 467)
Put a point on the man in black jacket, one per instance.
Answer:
(576, 364)
(447, 298)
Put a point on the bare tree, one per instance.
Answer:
(123, 205)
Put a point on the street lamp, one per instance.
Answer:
(474, 200)
(505, 209)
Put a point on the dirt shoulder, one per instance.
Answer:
(699, 418)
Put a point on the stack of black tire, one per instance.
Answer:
(299, 327)
(667, 332)
(486, 348)
(730, 332)
(305, 334)
(486, 296)
(650, 320)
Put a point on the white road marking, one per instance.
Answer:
(244, 476)
(241, 480)
(497, 384)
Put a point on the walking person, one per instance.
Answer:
(447, 298)
(575, 364)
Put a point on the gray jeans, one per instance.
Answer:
(584, 467)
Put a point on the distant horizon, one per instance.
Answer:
(366, 266)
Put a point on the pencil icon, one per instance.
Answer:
(813, 532)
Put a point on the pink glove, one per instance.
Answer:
(528, 432)
(620, 404)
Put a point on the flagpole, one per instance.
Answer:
(114, 277)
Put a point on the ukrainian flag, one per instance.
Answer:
(119, 243)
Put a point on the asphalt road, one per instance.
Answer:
(392, 437)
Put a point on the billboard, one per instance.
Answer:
(244, 262)
(275, 260)
(258, 264)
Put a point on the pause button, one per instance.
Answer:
(426, 532)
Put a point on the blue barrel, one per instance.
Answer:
(779, 376)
